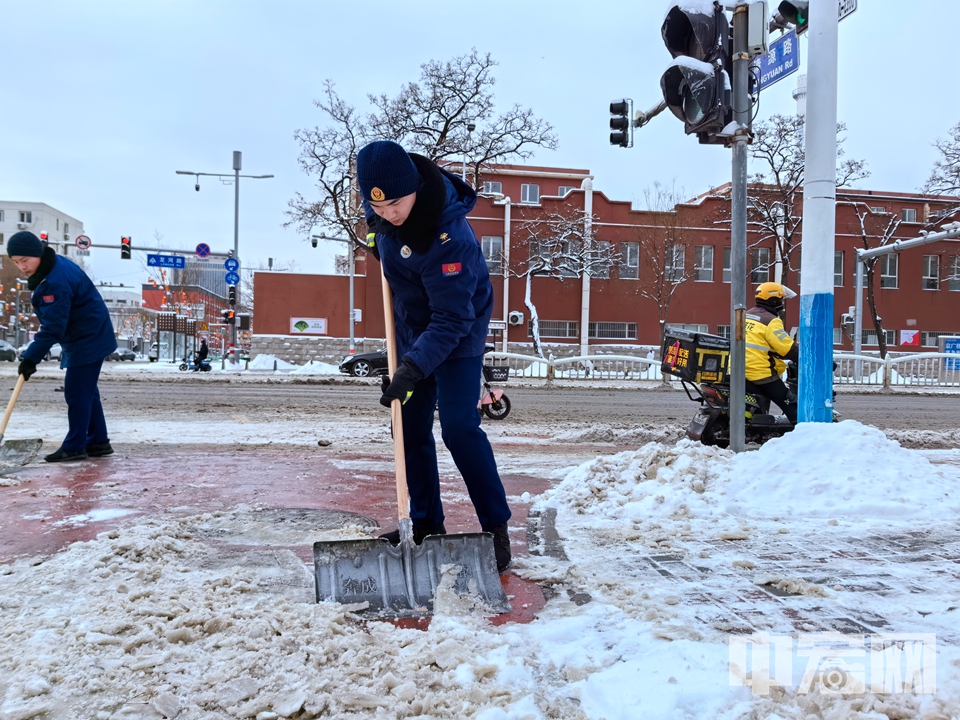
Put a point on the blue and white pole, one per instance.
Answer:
(819, 217)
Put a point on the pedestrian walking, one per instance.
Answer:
(72, 313)
(442, 303)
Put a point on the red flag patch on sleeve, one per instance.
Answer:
(451, 269)
(48, 298)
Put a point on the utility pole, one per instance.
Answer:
(237, 166)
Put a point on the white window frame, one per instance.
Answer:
(1, 215)
(612, 330)
(723, 331)
(931, 272)
(953, 284)
(703, 270)
(629, 261)
(601, 270)
(530, 194)
(565, 190)
(492, 246)
(889, 269)
(928, 338)
(26, 216)
(759, 265)
(838, 268)
(493, 187)
(674, 262)
(908, 215)
(555, 328)
(878, 209)
(727, 263)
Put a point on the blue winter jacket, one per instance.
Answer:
(442, 298)
(72, 313)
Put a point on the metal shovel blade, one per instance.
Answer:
(19, 452)
(402, 580)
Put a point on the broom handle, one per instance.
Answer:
(399, 460)
(13, 401)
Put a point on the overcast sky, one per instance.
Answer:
(104, 101)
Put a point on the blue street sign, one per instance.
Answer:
(166, 261)
(232, 278)
(951, 345)
(232, 265)
(203, 249)
(782, 59)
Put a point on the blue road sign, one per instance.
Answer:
(166, 261)
(203, 249)
(951, 345)
(232, 278)
(782, 59)
(232, 265)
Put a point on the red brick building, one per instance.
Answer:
(637, 256)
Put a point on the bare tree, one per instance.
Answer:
(559, 245)
(665, 255)
(876, 229)
(775, 193)
(430, 117)
(945, 177)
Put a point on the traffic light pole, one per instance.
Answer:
(819, 218)
(738, 228)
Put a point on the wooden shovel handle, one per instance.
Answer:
(13, 401)
(396, 415)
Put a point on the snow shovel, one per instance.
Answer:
(403, 580)
(16, 452)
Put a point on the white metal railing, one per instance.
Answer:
(923, 369)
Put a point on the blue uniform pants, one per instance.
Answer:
(453, 387)
(84, 412)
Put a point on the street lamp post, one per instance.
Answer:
(350, 262)
(463, 171)
(237, 164)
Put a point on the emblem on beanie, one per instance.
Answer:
(377, 194)
(406, 251)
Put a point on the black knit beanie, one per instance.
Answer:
(386, 172)
(25, 244)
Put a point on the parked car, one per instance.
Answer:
(55, 352)
(7, 351)
(365, 364)
(155, 350)
(121, 354)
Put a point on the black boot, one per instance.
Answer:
(419, 533)
(99, 449)
(62, 455)
(501, 546)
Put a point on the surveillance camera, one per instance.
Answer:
(471, 127)
(313, 241)
(197, 187)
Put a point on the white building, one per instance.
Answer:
(61, 229)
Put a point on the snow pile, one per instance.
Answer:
(266, 362)
(843, 470)
(315, 367)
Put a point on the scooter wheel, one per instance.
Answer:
(183, 366)
(498, 409)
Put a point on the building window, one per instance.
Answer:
(692, 327)
(953, 285)
(726, 264)
(26, 216)
(555, 328)
(66, 228)
(931, 272)
(1, 238)
(838, 336)
(928, 338)
(1, 215)
(492, 187)
(869, 337)
(888, 270)
(564, 189)
(703, 263)
(530, 194)
(673, 263)
(493, 253)
(600, 265)
(629, 261)
(908, 215)
(612, 330)
(759, 265)
(838, 268)
(723, 331)
(878, 209)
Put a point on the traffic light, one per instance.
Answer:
(622, 110)
(44, 237)
(796, 13)
(231, 317)
(696, 86)
(125, 247)
(232, 294)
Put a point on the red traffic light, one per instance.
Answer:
(126, 245)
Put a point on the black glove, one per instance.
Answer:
(27, 368)
(401, 385)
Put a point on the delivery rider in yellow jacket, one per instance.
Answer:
(768, 345)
